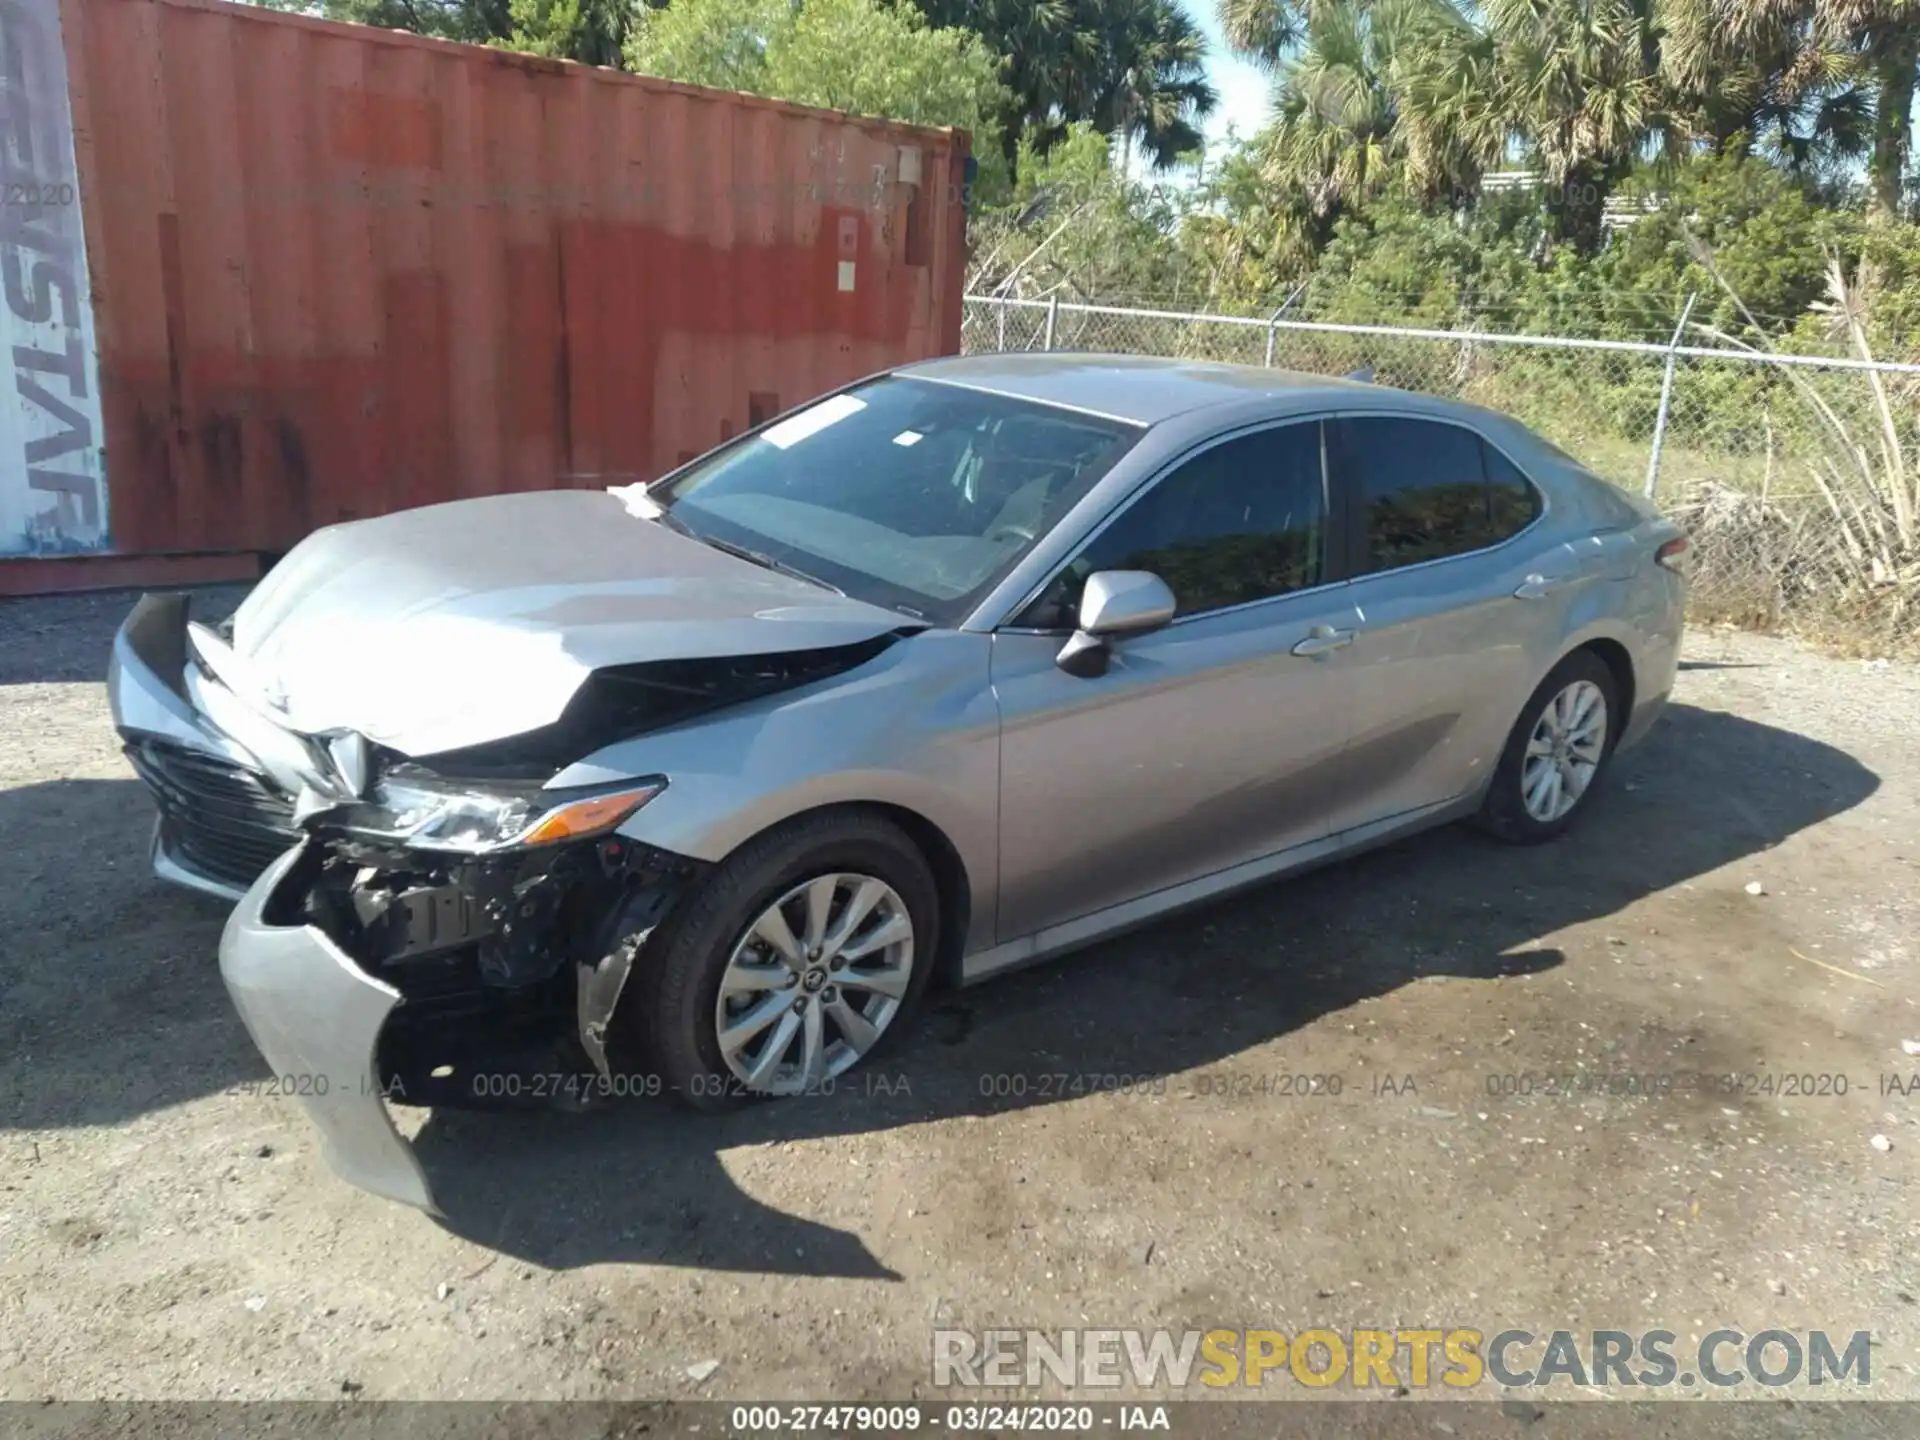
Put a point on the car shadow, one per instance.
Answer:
(643, 1181)
(111, 1005)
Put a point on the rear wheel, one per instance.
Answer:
(793, 964)
(1556, 754)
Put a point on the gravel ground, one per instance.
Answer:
(166, 1234)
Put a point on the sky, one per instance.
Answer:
(1243, 89)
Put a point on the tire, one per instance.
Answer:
(676, 1015)
(1505, 813)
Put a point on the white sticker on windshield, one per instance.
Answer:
(908, 437)
(831, 411)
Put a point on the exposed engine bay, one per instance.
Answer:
(509, 967)
(617, 702)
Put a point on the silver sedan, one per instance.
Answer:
(693, 787)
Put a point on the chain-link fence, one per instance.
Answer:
(1797, 476)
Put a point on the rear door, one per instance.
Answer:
(1209, 742)
(1461, 599)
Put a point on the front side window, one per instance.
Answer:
(1244, 520)
(1428, 490)
(907, 493)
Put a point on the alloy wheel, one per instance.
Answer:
(1568, 742)
(814, 982)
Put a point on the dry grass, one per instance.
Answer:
(1841, 565)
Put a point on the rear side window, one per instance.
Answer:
(1427, 491)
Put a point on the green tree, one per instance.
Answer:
(589, 31)
(1149, 87)
(1400, 263)
(476, 22)
(1575, 84)
(594, 32)
(1263, 31)
(1763, 230)
(1777, 74)
(1890, 35)
(1452, 87)
(1043, 46)
(1369, 98)
(1249, 237)
(1131, 68)
(1073, 226)
(1338, 139)
(851, 55)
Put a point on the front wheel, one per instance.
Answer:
(1556, 754)
(796, 960)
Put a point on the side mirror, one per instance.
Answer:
(1113, 604)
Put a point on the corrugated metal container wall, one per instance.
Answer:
(339, 271)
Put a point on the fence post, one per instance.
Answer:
(1666, 395)
(1053, 314)
(1274, 318)
(1001, 343)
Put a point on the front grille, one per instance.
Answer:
(223, 821)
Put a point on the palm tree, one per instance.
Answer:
(1827, 80)
(1149, 86)
(1263, 31)
(1134, 68)
(1448, 88)
(1571, 85)
(1888, 32)
(1046, 45)
(1780, 76)
(1376, 94)
(1335, 138)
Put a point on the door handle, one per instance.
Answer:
(1538, 587)
(1322, 639)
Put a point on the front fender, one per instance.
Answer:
(916, 728)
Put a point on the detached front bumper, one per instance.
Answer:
(316, 1017)
(488, 984)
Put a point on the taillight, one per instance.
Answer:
(1673, 555)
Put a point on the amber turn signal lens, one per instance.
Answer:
(589, 816)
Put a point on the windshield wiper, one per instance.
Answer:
(673, 522)
(797, 573)
(762, 559)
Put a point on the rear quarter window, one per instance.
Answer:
(1512, 501)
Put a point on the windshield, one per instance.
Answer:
(906, 493)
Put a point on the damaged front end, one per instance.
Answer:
(440, 930)
(368, 973)
(365, 759)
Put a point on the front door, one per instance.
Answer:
(1207, 743)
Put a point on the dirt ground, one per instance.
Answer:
(166, 1234)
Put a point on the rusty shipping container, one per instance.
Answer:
(330, 271)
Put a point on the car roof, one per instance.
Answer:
(1142, 389)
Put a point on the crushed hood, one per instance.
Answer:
(458, 624)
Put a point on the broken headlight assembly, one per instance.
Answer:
(421, 811)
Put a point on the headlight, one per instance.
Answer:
(471, 821)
